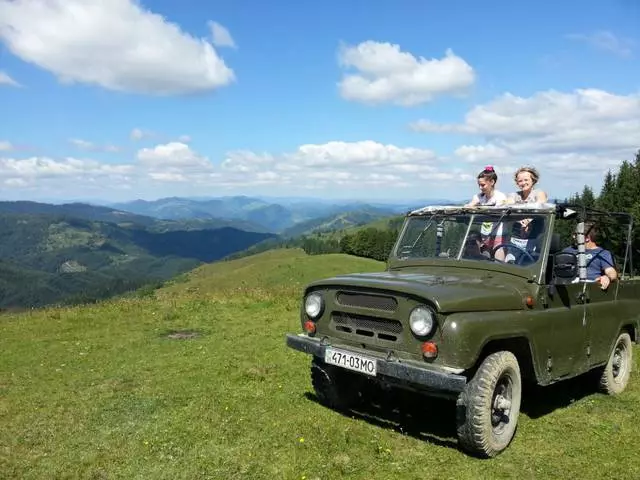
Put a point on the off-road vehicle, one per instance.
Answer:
(474, 302)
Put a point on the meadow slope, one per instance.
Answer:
(104, 392)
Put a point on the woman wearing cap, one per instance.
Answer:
(526, 178)
(488, 195)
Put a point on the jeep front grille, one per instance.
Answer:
(365, 326)
(377, 302)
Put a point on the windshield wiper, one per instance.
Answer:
(424, 230)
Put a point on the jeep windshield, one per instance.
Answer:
(486, 236)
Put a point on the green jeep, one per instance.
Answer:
(473, 302)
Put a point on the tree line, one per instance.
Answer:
(620, 192)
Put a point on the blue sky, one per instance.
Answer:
(123, 100)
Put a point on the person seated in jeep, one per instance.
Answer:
(600, 263)
(525, 237)
(474, 247)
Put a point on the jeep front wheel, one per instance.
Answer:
(334, 386)
(488, 408)
(615, 375)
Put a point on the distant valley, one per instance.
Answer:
(276, 217)
(77, 252)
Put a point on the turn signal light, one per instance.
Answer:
(309, 327)
(529, 301)
(429, 350)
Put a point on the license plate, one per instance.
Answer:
(351, 361)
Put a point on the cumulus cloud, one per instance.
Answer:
(606, 41)
(68, 173)
(386, 74)
(116, 44)
(584, 132)
(481, 153)
(5, 79)
(353, 165)
(221, 36)
(173, 156)
(349, 165)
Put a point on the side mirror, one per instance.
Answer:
(565, 267)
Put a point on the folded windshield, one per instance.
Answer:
(515, 238)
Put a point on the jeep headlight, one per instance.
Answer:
(421, 320)
(313, 305)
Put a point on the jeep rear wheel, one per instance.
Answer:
(335, 387)
(488, 408)
(615, 375)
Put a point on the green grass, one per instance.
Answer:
(100, 392)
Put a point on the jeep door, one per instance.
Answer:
(567, 315)
(604, 319)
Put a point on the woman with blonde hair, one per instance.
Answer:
(526, 178)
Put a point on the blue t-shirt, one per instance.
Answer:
(598, 259)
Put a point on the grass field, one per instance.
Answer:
(115, 390)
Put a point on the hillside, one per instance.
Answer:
(337, 222)
(52, 258)
(195, 381)
(327, 237)
(273, 216)
(123, 218)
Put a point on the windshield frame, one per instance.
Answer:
(533, 271)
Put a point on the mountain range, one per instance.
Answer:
(275, 215)
(78, 252)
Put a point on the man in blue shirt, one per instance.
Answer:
(600, 265)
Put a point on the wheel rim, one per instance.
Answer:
(619, 363)
(501, 404)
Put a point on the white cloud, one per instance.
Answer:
(140, 134)
(92, 147)
(606, 41)
(553, 121)
(81, 144)
(116, 44)
(173, 156)
(221, 36)
(5, 146)
(386, 74)
(29, 170)
(5, 79)
(582, 133)
(481, 153)
(168, 177)
(354, 165)
(358, 154)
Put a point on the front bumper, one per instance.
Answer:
(394, 369)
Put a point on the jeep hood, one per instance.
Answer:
(449, 293)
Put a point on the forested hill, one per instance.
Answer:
(51, 258)
(123, 218)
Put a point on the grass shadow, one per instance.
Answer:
(539, 401)
(425, 418)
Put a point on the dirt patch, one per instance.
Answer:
(183, 334)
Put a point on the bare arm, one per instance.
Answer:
(474, 201)
(610, 273)
(542, 197)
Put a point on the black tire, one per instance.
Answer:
(335, 387)
(488, 408)
(615, 375)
